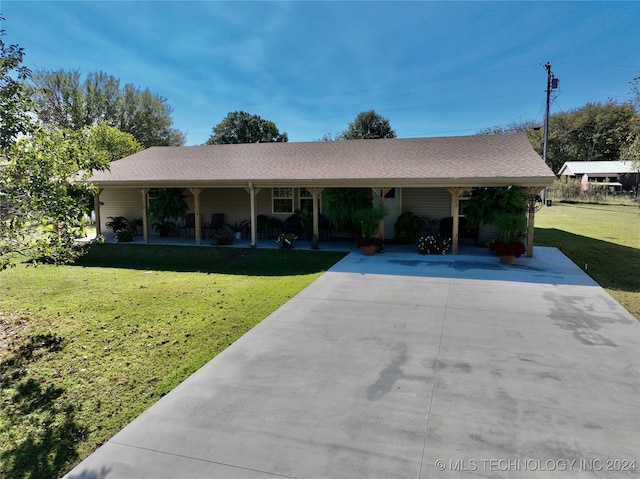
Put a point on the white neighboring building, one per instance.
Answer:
(606, 173)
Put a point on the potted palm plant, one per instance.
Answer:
(369, 219)
(121, 227)
(238, 228)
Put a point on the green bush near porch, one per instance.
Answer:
(86, 348)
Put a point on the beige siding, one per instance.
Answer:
(432, 203)
(119, 202)
(234, 203)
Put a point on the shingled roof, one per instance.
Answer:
(448, 161)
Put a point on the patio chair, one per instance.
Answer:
(189, 226)
(464, 231)
(261, 225)
(274, 227)
(217, 223)
(292, 225)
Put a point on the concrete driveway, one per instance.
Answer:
(402, 366)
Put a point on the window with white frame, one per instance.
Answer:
(282, 200)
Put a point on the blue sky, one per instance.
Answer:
(431, 68)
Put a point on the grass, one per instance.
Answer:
(602, 239)
(84, 349)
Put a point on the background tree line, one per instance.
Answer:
(62, 99)
(594, 132)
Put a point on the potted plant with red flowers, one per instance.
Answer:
(504, 208)
(511, 227)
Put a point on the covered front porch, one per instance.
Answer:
(246, 206)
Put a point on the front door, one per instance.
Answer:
(393, 205)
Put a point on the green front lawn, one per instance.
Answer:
(86, 348)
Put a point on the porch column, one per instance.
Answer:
(383, 192)
(96, 210)
(455, 195)
(145, 220)
(315, 193)
(196, 209)
(531, 209)
(254, 217)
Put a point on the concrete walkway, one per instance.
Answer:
(403, 366)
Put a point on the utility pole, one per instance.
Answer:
(552, 84)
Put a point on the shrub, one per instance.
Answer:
(221, 238)
(125, 236)
(408, 227)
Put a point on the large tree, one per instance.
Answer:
(44, 195)
(64, 100)
(115, 144)
(631, 150)
(42, 191)
(15, 104)
(367, 125)
(595, 131)
(520, 126)
(242, 127)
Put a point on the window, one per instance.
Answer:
(306, 200)
(282, 199)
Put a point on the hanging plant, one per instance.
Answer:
(341, 204)
(167, 205)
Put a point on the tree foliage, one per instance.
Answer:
(15, 103)
(596, 131)
(113, 142)
(522, 126)
(631, 150)
(43, 195)
(593, 132)
(42, 191)
(242, 127)
(368, 125)
(63, 100)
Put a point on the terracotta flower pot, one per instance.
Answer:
(508, 259)
(369, 250)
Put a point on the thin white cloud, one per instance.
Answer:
(427, 66)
